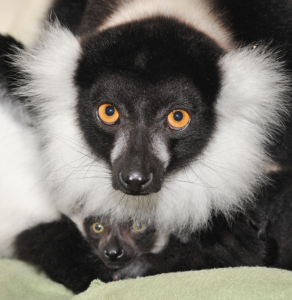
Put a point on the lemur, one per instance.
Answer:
(167, 112)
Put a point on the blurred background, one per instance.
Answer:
(22, 18)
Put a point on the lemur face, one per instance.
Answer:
(147, 110)
(118, 244)
(151, 120)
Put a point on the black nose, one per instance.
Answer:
(135, 182)
(113, 254)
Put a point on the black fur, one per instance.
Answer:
(222, 245)
(82, 16)
(276, 205)
(69, 13)
(62, 253)
(254, 22)
(7, 47)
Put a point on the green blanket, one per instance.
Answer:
(19, 281)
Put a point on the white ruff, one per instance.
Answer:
(249, 107)
(23, 200)
(195, 13)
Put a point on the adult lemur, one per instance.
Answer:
(162, 111)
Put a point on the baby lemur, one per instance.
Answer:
(259, 237)
(136, 249)
(118, 245)
(128, 250)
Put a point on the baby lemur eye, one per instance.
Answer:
(108, 114)
(178, 119)
(97, 227)
(138, 227)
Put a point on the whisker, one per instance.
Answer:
(203, 157)
(73, 148)
(184, 181)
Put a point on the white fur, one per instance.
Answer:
(196, 13)
(119, 147)
(160, 150)
(23, 200)
(161, 241)
(250, 106)
(158, 147)
(79, 222)
(223, 178)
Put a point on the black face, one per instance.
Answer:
(118, 244)
(146, 99)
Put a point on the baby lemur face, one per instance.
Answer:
(118, 244)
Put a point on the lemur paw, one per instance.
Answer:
(136, 269)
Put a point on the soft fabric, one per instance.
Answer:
(218, 284)
(21, 281)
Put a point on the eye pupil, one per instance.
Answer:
(98, 227)
(109, 111)
(178, 116)
(139, 225)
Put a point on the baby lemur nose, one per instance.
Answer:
(135, 181)
(113, 254)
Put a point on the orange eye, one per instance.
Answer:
(178, 119)
(108, 114)
(97, 227)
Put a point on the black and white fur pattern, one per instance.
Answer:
(74, 261)
(260, 237)
(66, 257)
(211, 182)
(24, 202)
(27, 204)
(194, 56)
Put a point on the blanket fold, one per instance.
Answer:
(19, 280)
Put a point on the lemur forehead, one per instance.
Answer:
(141, 59)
